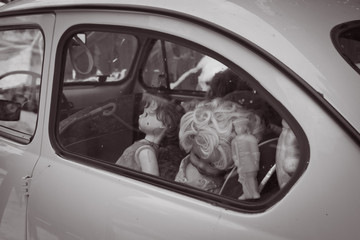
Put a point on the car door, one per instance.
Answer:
(78, 200)
(22, 72)
(78, 191)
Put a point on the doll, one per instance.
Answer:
(224, 83)
(249, 132)
(159, 120)
(205, 135)
(246, 155)
(287, 155)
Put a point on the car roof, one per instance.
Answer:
(295, 32)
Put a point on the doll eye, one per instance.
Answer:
(196, 156)
(212, 164)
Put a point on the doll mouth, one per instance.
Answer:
(212, 173)
(201, 171)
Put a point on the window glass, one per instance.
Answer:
(99, 57)
(154, 74)
(348, 43)
(21, 57)
(188, 119)
(180, 67)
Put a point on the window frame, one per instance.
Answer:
(220, 201)
(335, 34)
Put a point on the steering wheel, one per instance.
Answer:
(34, 75)
(76, 41)
(32, 102)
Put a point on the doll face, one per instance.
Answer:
(205, 165)
(240, 126)
(148, 122)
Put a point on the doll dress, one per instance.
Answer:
(130, 157)
(207, 183)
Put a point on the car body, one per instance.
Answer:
(58, 177)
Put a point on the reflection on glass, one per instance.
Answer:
(99, 57)
(21, 60)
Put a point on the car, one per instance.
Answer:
(246, 112)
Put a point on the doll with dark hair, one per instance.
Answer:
(225, 82)
(159, 121)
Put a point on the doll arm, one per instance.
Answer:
(148, 161)
(245, 153)
(246, 157)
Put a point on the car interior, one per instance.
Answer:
(105, 77)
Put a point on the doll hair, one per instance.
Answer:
(262, 111)
(225, 82)
(210, 126)
(168, 112)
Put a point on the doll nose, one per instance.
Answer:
(142, 115)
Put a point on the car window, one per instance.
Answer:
(347, 40)
(173, 64)
(99, 56)
(21, 60)
(181, 67)
(183, 116)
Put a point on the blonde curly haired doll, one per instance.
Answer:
(205, 134)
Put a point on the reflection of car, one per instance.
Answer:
(97, 59)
